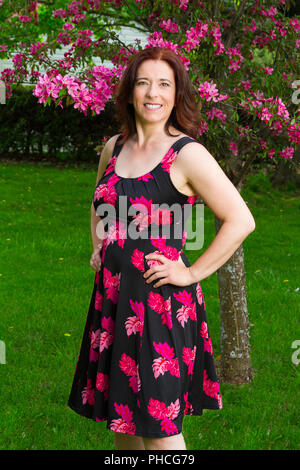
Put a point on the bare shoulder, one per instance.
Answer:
(105, 156)
(209, 181)
(193, 152)
(195, 161)
(109, 146)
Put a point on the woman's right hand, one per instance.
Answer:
(95, 260)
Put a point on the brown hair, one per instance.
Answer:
(185, 115)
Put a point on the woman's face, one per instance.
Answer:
(154, 85)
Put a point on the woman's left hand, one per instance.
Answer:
(168, 272)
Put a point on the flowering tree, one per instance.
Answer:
(242, 59)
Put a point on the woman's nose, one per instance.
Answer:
(152, 90)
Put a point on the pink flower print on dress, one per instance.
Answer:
(168, 426)
(112, 181)
(188, 310)
(131, 369)
(112, 284)
(206, 338)
(143, 206)
(116, 233)
(166, 414)
(122, 233)
(95, 338)
(102, 384)
(146, 177)
(94, 347)
(163, 307)
(111, 234)
(169, 252)
(125, 423)
(108, 194)
(166, 362)
(111, 165)
(192, 199)
(135, 324)
(184, 236)
(98, 300)
(211, 388)
(204, 330)
(137, 259)
(107, 336)
(88, 394)
(149, 214)
(94, 355)
(168, 160)
(208, 346)
(188, 407)
(161, 216)
(160, 366)
(188, 357)
(199, 294)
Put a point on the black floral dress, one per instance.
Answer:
(146, 357)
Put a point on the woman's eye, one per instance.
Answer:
(163, 83)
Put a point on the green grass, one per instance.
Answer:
(45, 288)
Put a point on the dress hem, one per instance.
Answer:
(198, 412)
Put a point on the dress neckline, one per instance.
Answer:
(148, 172)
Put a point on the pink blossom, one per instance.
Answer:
(169, 26)
(182, 4)
(59, 13)
(294, 133)
(25, 19)
(265, 115)
(271, 153)
(209, 92)
(233, 148)
(268, 70)
(63, 38)
(263, 144)
(295, 24)
(68, 26)
(216, 113)
(36, 48)
(287, 152)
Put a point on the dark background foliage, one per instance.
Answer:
(30, 131)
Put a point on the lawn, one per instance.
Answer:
(45, 287)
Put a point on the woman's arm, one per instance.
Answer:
(97, 228)
(209, 181)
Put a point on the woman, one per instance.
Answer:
(146, 358)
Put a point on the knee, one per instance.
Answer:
(165, 443)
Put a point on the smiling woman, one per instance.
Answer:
(172, 82)
(146, 358)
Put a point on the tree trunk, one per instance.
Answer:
(235, 363)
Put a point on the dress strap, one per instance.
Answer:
(117, 147)
(178, 144)
(182, 142)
